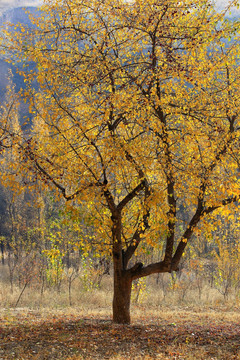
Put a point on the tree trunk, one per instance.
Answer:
(122, 298)
(2, 251)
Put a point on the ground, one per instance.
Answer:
(158, 334)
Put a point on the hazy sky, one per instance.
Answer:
(9, 3)
(222, 3)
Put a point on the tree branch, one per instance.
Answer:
(138, 270)
(131, 195)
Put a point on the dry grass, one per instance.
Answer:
(84, 296)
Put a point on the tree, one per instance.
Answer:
(9, 125)
(136, 114)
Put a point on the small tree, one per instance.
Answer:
(136, 114)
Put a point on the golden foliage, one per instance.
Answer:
(137, 109)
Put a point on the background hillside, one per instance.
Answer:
(14, 15)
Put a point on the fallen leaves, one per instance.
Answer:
(73, 337)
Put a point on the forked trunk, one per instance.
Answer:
(121, 299)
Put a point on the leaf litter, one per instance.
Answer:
(32, 335)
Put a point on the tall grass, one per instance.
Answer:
(90, 291)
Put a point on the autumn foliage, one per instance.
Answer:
(135, 111)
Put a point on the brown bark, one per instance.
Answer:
(122, 280)
(122, 298)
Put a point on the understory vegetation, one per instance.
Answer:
(39, 282)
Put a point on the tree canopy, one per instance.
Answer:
(136, 115)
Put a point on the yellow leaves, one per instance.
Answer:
(129, 96)
(53, 253)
